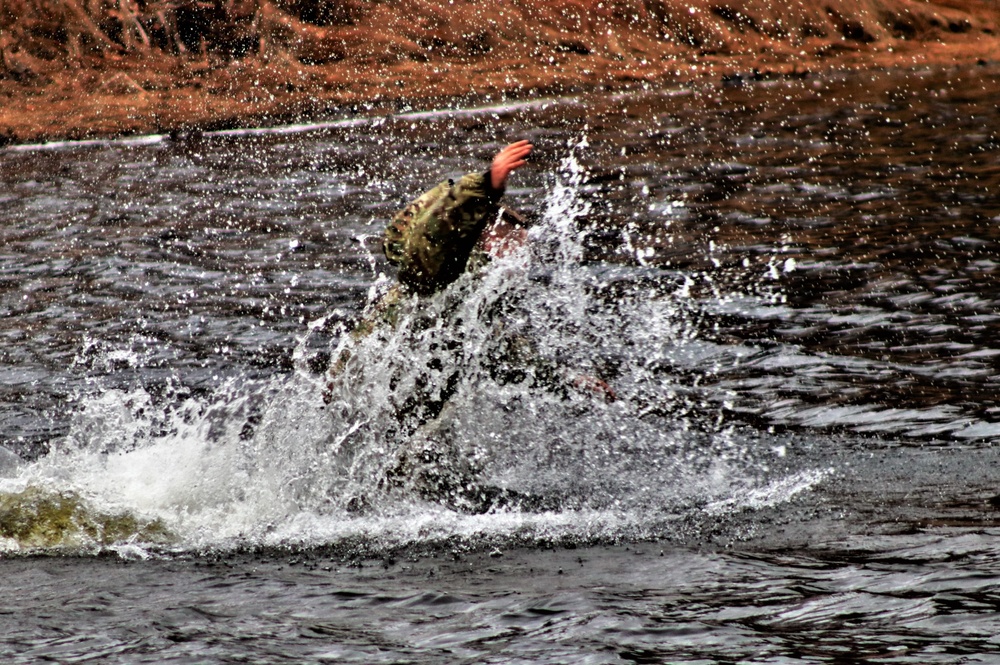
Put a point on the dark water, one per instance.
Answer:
(790, 284)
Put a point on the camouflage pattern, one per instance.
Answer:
(385, 312)
(431, 239)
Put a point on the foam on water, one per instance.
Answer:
(422, 426)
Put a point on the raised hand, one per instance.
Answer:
(510, 158)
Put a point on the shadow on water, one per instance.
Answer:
(789, 284)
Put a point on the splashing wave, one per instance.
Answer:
(442, 427)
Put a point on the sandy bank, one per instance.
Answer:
(86, 68)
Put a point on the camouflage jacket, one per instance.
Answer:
(431, 239)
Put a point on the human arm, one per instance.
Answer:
(431, 239)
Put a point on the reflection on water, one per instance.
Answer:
(790, 284)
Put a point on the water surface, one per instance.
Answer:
(789, 283)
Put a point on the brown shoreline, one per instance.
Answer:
(108, 94)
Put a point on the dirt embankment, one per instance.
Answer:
(78, 68)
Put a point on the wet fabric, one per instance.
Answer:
(431, 239)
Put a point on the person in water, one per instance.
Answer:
(455, 228)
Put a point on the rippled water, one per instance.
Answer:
(789, 283)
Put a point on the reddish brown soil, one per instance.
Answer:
(85, 68)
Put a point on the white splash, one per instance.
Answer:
(306, 459)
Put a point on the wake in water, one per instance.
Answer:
(467, 419)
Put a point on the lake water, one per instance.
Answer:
(790, 284)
